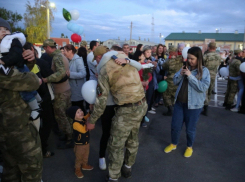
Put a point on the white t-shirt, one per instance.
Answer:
(92, 66)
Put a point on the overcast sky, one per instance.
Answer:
(110, 19)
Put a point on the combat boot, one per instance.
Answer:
(205, 110)
(169, 112)
(126, 172)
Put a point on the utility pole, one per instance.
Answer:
(160, 38)
(131, 27)
(152, 29)
(48, 28)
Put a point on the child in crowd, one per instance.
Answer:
(81, 138)
(11, 51)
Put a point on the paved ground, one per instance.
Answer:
(219, 151)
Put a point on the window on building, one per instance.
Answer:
(63, 44)
(169, 44)
(109, 42)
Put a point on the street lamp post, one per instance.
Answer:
(52, 5)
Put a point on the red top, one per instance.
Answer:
(141, 76)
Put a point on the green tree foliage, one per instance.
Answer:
(36, 20)
(62, 35)
(12, 18)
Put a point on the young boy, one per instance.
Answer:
(11, 51)
(81, 138)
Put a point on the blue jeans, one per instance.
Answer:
(182, 115)
(240, 92)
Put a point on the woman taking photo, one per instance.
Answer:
(77, 75)
(193, 81)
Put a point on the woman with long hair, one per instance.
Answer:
(193, 81)
(77, 75)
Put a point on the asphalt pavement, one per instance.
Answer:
(219, 151)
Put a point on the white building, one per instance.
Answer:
(133, 43)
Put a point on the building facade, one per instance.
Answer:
(224, 41)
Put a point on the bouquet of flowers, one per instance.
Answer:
(147, 68)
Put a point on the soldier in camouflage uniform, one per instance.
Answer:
(232, 85)
(19, 138)
(173, 65)
(127, 91)
(62, 92)
(212, 61)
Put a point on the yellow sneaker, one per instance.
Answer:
(170, 148)
(188, 152)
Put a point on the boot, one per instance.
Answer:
(205, 110)
(78, 173)
(224, 104)
(228, 106)
(169, 113)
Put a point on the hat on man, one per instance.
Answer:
(212, 45)
(237, 51)
(100, 50)
(4, 23)
(172, 49)
(49, 42)
(71, 112)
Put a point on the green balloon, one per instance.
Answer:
(66, 14)
(162, 86)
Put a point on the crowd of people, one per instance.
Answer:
(40, 95)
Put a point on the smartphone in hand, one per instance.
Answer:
(184, 64)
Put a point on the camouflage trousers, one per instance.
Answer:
(169, 95)
(209, 91)
(21, 148)
(62, 102)
(124, 133)
(232, 88)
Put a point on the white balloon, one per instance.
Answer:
(224, 71)
(74, 14)
(89, 91)
(184, 52)
(242, 67)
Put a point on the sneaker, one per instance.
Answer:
(152, 112)
(170, 148)
(108, 179)
(144, 125)
(146, 119)
(126, 172)
(79, 173)
(188, 152)
(87, 167)
(234, 110)
(153, 109)
(102, 163)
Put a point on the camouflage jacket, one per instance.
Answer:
(11, 103)
(212, 61)
(172, 66)
(234, 68)
(123, 82)
(58, 64)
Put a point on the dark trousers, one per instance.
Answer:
(106, 120)
(48, 120)
(150, 95)
(183, 115)
(79, 104)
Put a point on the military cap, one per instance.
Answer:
(237, 51)
(212, 45)
(49, 42)
(100, 50)
(84, 43)
(172, 49)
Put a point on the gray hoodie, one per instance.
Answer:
(77, 77)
